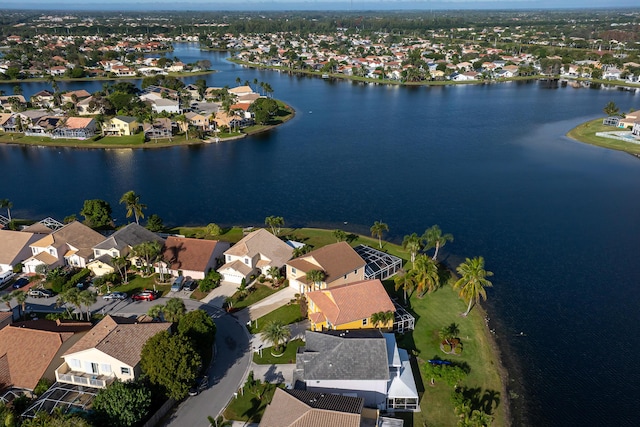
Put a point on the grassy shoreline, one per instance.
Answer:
(586, 133)
(104, 78)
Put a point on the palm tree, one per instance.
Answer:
(340, 235)
(275, 222)
(184, 124)
(426, 275)
(449, 332)
(7, 298)
(472, 282)
(121, 263)
(377, 229)
(242, 289)
(6, 204)
(434, 238)
(277, 333)
(173, 310)
(69, 297)
(133, 205)
(316, 277)
(413, 244)
(21, 298)
(87, 298)
(382, 318)
(149, 252)
(406, 281)
(156, 311)
(274, 273)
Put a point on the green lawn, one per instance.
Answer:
(231, 235)
(137, 283)
(288, 314)
(289, 355)
(586, 132)
(250, 406)
(257, 293)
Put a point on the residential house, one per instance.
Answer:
(364, 363)
(30, 117)
(57, 70)
(176, 67)
(241, 90)
(70, 245)
(198, 121)
(43, 99)
(14, 248)
(74, 96)
(339, 262)
(349, 306)
(30, 350)
(160, 128)
(76, 128)
(120, 126)
(183, 256)
(166, 105)
(44, 126)
(193, 91)
(88, 106)
(8, 122)
(13, 102)
(6, 317)
(254, 254)
(635, 131)
(119, 244)
(629, 120)
(300, 408)
(110, 350)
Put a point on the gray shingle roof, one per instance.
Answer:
(131, 235)
(343, 355)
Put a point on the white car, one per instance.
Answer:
(116, 295)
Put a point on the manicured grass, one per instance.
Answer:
(198, 294)
(231, 235)
(586, 132)
(249, 406)
(137, 283)
(289, 355)
(288, 314)
(438, 309)
(257, 293)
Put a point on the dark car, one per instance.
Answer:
(201, 384)
(146, 295)
(40, 293)
(20, 283)
(190, 284)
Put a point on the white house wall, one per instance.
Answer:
(107, 365)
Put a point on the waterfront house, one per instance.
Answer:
(15, 248)
(629, 120)
(74, 96)
(110, 350)
(88, 106)
(8, 122)
(339, 262)
(30, 117)
(75, 128)
(70, 245)
(44, 126)
(349, 306)
(120, 126)
(43, 99)
(182, 256)
(171, 106)
(13, 102)
(120, 244)
(198, 121)
(159, 129)
(254, 254)
(240, 90)
(363, 363)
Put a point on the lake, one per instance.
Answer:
(557, 221)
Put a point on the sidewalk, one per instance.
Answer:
(266, 305)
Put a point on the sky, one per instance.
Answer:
(259, 5)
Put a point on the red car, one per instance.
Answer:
(146, 295)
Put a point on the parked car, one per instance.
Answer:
(146, 295)
(177, 284)
(20, 283)
(201, 384)
(40, 293)
(191, 285)
(116, 295)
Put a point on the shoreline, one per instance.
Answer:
(585, 133)
(51, 143)
(104, 78)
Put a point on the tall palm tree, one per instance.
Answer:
(21, 298)
(174, 309)
(69, 297)
(184, 124)
(133, 205)
(382, 318)
(340, 235)
(413, 244)
(275, 223)
(406, 281)
(149, 252)
(316, 277)
(7, 298)
(121, 263)
(434, 238)
(156, 311)
(277, 333)
(377, 229)
(425, 272)
(87, 298)
(6, 204)
(274, 273)
(473, 281)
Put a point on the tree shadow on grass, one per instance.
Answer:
(483, 400)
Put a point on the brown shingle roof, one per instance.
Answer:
(261, 242)
(296, 408)
(12, 243)
(335, 260)
(77, 122)
(188, 254)
(353, 301)
(27, 354)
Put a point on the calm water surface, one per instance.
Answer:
(556, 220)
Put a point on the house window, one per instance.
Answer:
(365, 321)
(246, 261)
(355, 271)
(105, 368)
(228, 258)
(293, 270)
(125, 371)
(74, 363)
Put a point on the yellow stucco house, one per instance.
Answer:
(349, 306)
(120, 126)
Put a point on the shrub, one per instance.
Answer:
(42, 386)
(458, 350)
(446, 348)
(17, 268)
